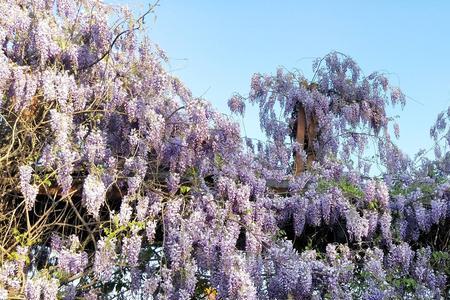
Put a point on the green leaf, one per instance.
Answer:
(350, 190)
(184, 189)
(218, 160)
(373, 205)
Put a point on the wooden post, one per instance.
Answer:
(305, 136)
(300, 138)
(311, 153)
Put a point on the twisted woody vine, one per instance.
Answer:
(117, 183)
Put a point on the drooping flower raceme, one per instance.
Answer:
(94, 193)
(105, 259)
(29, 190)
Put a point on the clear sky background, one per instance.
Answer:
(216, 46)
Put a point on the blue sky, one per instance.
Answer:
(215, 47)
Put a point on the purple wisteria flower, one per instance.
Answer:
(29, 191)
(236, 104)
(94, 192)
(105, 259)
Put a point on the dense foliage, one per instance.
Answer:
(115, 182)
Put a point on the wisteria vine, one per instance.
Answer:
(115, 182)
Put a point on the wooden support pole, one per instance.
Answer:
(311, 153)
(306, 134)
(300, 138)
